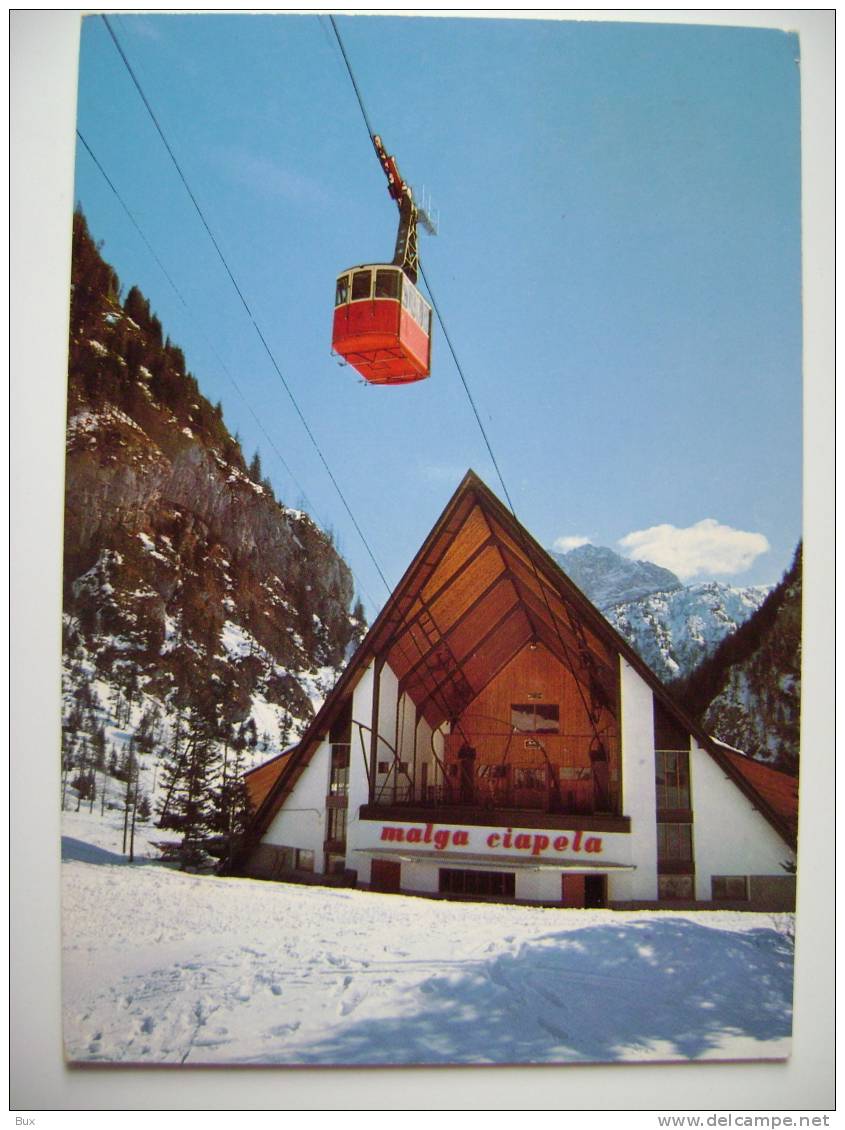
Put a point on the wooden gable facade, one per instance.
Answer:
(511, 680)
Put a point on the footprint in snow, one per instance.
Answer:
(276, 990)
(148, 1025)
(349, 1004)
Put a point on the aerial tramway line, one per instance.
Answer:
(375, 332)
(382, 324)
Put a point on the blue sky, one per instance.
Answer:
(618, 265)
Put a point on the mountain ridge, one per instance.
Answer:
(672, 626)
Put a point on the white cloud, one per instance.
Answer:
(573, 541)
(706, 547)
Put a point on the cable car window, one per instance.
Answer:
(387, 284)
(361, 285)
(416, 306)
(342, 293)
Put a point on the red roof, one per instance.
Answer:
(778, 789)
(261, 779)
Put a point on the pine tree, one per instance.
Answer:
(232, 800)
(255, 472)
(190, 809)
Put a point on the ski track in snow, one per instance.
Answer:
(164, 967)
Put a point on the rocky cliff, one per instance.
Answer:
(192, 595)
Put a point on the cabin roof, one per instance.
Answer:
(478, 591)
(261, 778)
(779, 789)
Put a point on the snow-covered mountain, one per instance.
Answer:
(733, 654)
(674, 631)
(671, 625)
(607, 578)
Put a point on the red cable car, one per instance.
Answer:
(382, 324)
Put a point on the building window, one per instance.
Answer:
(339, 773)
(304, 859)
(672, 888)
(529, 777)
(279, 859)
(384, 767)
(336, 825)
(674, 843)
(672, 771)
(536, 717)
(729, 888)
(339, 781)
(480, 884)
(335, 864)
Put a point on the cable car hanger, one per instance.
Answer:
(382, 323)
(405, 253)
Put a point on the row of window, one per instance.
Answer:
(384, 282)
(339, 789)
(674, 843)
(723, 888)
(672, 778)
(336, 824)
(490, 884)
(385, 767)
(294, 859)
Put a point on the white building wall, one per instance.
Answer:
(426, 756)
(359, 792)
(388, 704)
(730, 837)
(407, 719)
(301, 822)
(620, 884)
(538, 886)
(639, 791)
(421, 878)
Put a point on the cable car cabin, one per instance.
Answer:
(382, 325)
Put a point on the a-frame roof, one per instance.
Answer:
(478, 591)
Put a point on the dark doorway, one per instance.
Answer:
(595, 890)
(583, 891)
(386, 875)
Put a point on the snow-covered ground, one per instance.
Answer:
(164, 967)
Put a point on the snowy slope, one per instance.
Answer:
(164, 967)
(674, 631)
(671, 625)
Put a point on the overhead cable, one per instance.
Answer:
(566, 651)
(311, 508)
(257, 328)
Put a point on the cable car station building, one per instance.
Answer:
(494, 737)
